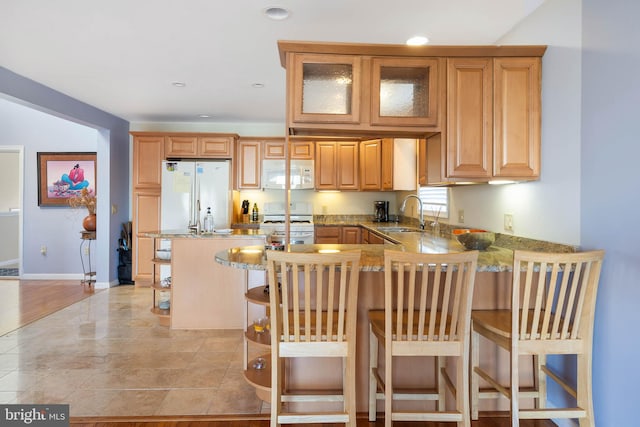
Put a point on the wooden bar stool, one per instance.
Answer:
(425, 314)
(553, 306)
(313, 315)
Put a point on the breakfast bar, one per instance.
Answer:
(491, 290)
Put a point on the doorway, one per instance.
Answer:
(11, 211)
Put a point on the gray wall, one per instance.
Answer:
(610, 204)
(110, 137)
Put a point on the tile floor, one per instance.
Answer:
(107, 356)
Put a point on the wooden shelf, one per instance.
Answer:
(259, 378)
(159, 287)
(262, 339)
(257, 296)
(161, 312)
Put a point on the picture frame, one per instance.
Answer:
(62, 175)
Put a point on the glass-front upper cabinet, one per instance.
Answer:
(326, 88)
(404, 91)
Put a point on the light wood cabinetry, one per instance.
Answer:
(376, 164)
(148, 153)
(248, 164)
(218, 146)
(469, 117)
(338, 234)
(149, 150)
(404, 91)
(493, 123)
(517, 111)
(336, 165)
(300, 150)
(360, 92)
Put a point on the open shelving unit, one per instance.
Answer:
(163, 314)
(258, 378)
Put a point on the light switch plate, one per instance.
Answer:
(508, 222)
(461, 216)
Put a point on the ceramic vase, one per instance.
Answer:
(89, 222)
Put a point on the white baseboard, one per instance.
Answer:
(78, 277)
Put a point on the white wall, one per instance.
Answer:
(547, 209)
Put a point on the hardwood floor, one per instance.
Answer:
(24, 301)
(495, 420)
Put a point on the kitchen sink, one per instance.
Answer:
(399, 229)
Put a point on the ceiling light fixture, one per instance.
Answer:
(276, 13)
(417, 41)
(204, 116)
(257, 85)
(178, 84)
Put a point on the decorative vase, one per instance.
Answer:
(89, 222)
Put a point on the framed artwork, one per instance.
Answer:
(64, 175)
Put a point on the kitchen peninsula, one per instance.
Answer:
(204, 294)
(491, 291)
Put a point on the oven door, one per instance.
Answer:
(295, 237)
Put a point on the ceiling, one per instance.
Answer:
(122, 56)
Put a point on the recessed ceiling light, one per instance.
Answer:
(204, 116)
(276, 13)
(178, 84)
(417, 41)
(257, 85)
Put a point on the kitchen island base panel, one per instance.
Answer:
(205, 294)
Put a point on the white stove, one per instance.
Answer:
(301, 229)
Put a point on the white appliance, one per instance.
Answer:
(189, 188)
(301, 229)
(302, 174)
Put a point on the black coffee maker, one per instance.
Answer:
(381, 211)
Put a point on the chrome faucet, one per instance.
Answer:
(404, 205)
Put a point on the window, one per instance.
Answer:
(435, 201)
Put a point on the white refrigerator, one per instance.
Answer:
(189, 188)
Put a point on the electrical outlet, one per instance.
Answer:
(85, 250)
(461, 216)
(508, 222)
(43, 250)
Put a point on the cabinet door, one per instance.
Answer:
(370, 163)
(148, 153)
(146, 218)
(299, 150)
(350, 235)
(374, 239)
(516, 117)
(404, 92)
(347, 166)
(326, 166)
(327, 235)
(248, 165)
(215, 146)
(181, 146)
(469, 117)
(388, 160)
(325, 88)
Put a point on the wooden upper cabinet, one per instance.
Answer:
(303, 150)
(195, 146)
(325, 88)
(469, 117)
(404, 91)
(516, 123)
(370, 165)
(336, 165)
(248, 164)
(148, 153)
(388, 160)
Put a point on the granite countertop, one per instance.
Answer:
(217, 234)
(497, 258)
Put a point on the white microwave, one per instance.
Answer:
(302, 174)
